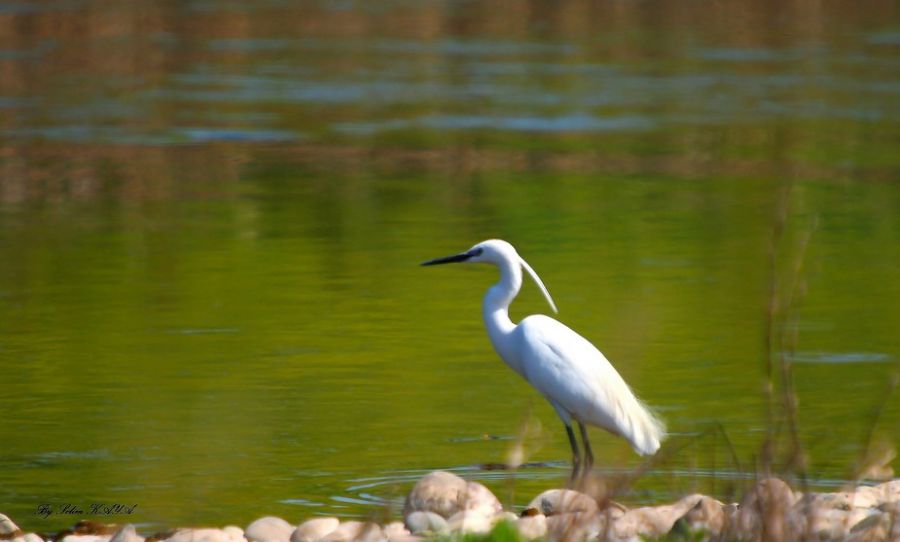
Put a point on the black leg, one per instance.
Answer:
(589, 455)
(576, 456)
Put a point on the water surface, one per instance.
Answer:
(212, 215)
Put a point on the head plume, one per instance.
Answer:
(497, 252)
(539, 282)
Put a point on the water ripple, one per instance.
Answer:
(840, 357)
(573, 122)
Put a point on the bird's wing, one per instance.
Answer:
(573, 375)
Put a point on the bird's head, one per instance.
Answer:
(499, 253)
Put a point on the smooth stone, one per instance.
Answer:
(197, 535)
(889, 491)
(91, 527)
(563, 501)
(877, 527)
(87, 538)
(479, 498)
(645, 521)
(395, 529)
(426, 522)
(446, 494)
(127, 534)
(8, 529)
(356, 531)
(398, 537)
(269, 529)
(575, 526)
(863, 497)
(833, 523)
(613, 511)
(654, 521)
(33, 537)
(707, 515)
(470, 521)
(314, 529)
(766, 507)
(531, 527)
(437, 492)
(772, 493)
(870, 496)
(235, 532)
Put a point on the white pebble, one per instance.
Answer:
(355, 531)
(234, 532)
(575, 526)
(470, 521)
(397, 532)
(706, 514)
(531, 527)
(437, 492)
(563, 501)
(479, 498)
(314, 529)
(199, 535)
(7, 527)
(87, 538)
(269, 529)
(426, 522)
(127, 534)
(395, 528)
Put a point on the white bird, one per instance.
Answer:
(567, 369)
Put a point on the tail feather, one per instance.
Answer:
(640, 426)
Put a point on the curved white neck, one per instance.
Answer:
(496, 310)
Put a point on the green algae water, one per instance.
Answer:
(212, 216)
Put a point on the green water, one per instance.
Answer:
(212, 216)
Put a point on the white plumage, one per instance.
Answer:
(568, 370)
(581, 383)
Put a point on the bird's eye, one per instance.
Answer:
(477, 251)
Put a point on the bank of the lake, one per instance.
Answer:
(444, 506)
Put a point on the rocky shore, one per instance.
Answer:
(443, 505)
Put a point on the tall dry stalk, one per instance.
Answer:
(787, 287)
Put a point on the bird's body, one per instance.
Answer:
(562, 365)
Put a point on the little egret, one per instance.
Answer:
(567, 369)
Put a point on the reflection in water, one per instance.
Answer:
(211, 215)
(186, 75)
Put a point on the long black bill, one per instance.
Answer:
(450, 259)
